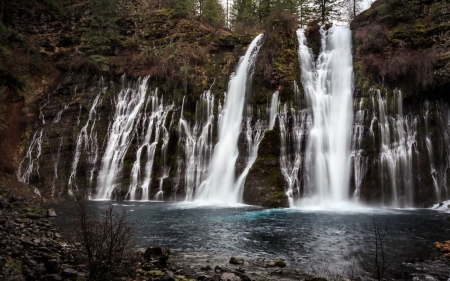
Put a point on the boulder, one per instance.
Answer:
(236, 260)
(50, 213)
(242, 276)
(70, 273)
(52, 266)
(206, 268)
(4, 204)
(277, 262)
(168, 276)
(14, 278)
(228, 276)
(54, 277)
(158, 254)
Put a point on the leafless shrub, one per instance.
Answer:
(107, 242)
(380, 260)
(417, 64)
(414, 65)
(371, 39)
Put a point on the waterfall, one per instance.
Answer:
(197, 144)
(55, 166)
(359, 160)
(127, 113)
(254, 136)
(444, 118)
(220, 186)
(153, 126)
(273, 110)
(398, 144)
(30, 161)
(328, 90)
(291, 163)
(87, 141)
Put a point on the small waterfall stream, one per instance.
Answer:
(127, 113)
(220, 186)
(197, 144)
(86, 141)
(153, 127)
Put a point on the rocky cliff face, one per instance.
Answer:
(56, 137)
(410, 55)
(60, 124)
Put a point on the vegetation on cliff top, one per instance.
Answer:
(400, 43)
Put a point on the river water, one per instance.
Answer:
(307, 240)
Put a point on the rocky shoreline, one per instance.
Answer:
(32, 247)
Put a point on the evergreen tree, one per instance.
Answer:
(103, 26)
(244, 13)
(328, 10)
(263, 8)
(291, 6)
(182, 8)
(397, 10)
(304, 12)
(213, 12)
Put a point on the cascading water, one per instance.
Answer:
(397, 149)
(127, 113)
(220, 186)
(55, 166)
(197, 144)
(30, 161)
(87, 141)
(254, 135)
(359, 160)
(153, 125)
(273, 110)
(295, 137)
(328, 90)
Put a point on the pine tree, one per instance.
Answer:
(103, 26)
(263, 8)
(397, 10)
(244, 13)
(328, 10)
(304, 12)
(213, 12)
(182, 8)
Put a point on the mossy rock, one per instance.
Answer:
(264, 185)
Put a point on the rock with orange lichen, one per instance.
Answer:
(444, 247)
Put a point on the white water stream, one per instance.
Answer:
(328, 90)
(220, 187)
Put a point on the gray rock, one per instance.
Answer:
(50, 213)
(202, 277)
(206, 268)
(40, 269)
(54, 277)
(52, 266)
(4, 204)
(228, 276)
(69, 273)
(168, 276)
(14, 278)
(160, 254)
(148, 266)
(236, 260)
(277, 262)
(242, 276)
